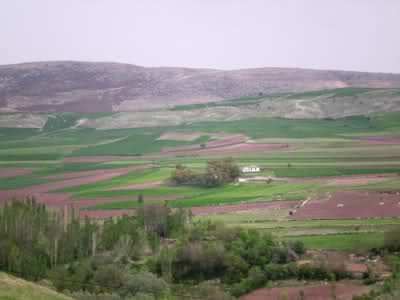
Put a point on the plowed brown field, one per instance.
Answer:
(342, 290)
(351, 205)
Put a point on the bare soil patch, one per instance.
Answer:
(351, 205)
(245, 207)
(14, 172)
(344, 290)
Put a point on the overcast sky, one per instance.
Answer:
(359, 35)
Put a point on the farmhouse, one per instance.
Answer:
(251, 169)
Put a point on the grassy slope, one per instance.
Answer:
(12, 288)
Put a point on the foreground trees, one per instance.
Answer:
(146, 255)
(32, 239)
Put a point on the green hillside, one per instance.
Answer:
(12, 288)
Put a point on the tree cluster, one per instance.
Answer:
(218, 172)
(32, 239)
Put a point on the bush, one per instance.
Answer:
(109, 278)
(392, 239)
(298, 247)
(145, 283)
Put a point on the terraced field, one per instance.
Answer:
(103, 172)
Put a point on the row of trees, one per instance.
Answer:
(32, 239)
(218, 172)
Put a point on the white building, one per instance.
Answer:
(251, 169)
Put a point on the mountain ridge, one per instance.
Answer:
(75, 86)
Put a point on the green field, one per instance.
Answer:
(343, 242)
(317, 149)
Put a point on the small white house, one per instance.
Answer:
(251, 169)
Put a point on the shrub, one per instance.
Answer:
(145, 283)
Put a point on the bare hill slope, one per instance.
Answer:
(105, 87)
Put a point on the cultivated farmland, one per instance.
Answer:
(332, 184)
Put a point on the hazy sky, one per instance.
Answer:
(335, 34)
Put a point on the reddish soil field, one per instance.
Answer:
(273, 205)
(359, 180)
(351, 205)
(13, 172)
(343, 291)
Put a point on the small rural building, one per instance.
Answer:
(251, 169)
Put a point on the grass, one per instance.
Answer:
(136, 177)
(195, 197)
(250, 100)
(137, 143)
(262, 220)
(246, 192)
(342, 242)
(341, 92)
(289, 128)
(330, 171)
(20, 182)
(32, 144)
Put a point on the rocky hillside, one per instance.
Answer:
(106, 87)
